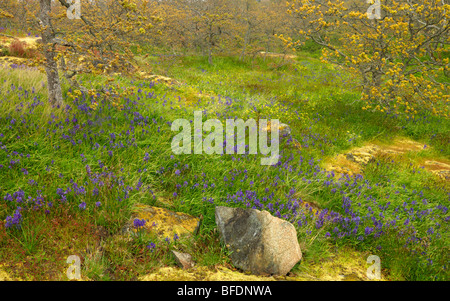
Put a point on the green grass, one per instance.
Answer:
(130, 160)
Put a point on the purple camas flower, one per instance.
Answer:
(82, 206)
(146, 157)
(88, 169)
(151, 246)
(15, 219)
(98, 204)
(319, 223)
(80, 190)
(95, 191)
(368, 230)
(177, 172)
(60, 191)
(139, 223)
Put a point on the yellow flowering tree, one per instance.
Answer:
(6, 7)
(196, 24)
(5, 14)
(398, 49)
(101, 35)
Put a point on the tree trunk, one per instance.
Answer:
(210, 55)
(246, 40)
(210, 49)
(51, 67)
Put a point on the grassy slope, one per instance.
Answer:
(125, 141)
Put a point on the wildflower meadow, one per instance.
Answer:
(71, 175)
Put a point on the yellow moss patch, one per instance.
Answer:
(202, 273)
(341, 166)
(165, 223)
(439, 167)
(4, 276)
(273, 54)
(10, 60)
(400, 145)
(352, 161)
(157, 78)
(347, 265)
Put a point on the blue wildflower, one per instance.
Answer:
(139, 223)
(82, 206)
(151, 246)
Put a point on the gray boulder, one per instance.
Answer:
(259, 242)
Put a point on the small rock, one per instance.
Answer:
(285, 130)
(184, 260)
(260, 243)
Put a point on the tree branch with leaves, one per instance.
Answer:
(401, 59)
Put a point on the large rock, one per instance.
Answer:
(260, 243)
